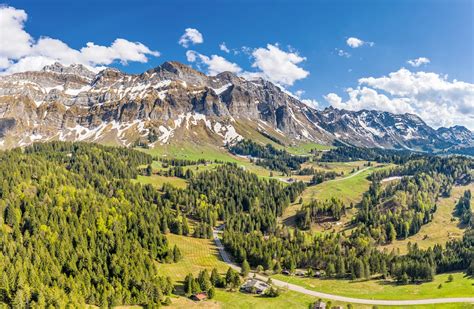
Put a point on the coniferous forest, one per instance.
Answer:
(75, 229)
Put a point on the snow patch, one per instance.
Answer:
(75, 92)
(220, 90)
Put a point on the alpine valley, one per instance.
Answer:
(174, 103)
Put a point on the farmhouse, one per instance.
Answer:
(199, 296)
(254, 286)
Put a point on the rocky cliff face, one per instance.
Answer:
(175, 101)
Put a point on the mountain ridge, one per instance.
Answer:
(170, 101)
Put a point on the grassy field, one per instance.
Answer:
(288, 299)
(190, 151)
(305, 148)
(158, 181)
(443, 227)
(461, 286)
(197, 254)
(349, 190)
(208, 152)
(338, 167)
(201, 253)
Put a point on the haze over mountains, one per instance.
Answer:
(174, 102)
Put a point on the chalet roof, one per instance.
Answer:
(200, 296)
(254, 283)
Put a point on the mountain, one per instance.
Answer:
(174, 102)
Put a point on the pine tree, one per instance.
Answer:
(176, 254)
(211, 293)
(245, 269)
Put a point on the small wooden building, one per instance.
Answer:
(199, 296)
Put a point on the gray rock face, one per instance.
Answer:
(74, 103)
(457, 135)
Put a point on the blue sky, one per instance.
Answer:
(315, 31)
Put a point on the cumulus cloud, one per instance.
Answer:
(311, 103)
(224, 48)
(215, 64)
(19, 51)
(356, 43)
(418, 61)
(190, 36)
(437, 100)
(273, 64)
(277, 65)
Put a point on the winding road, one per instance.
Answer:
(350, 176)
(293, 287)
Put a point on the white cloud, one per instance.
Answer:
(299, 93)
(215, 64)
(311, 103)
(190, 36)
(437, 100)
(16, 42)
(342, 53)
(356, 43)
(418, 61)
(224, 48)
(20, 52)
(277, 65)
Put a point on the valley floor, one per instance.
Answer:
(199, 254)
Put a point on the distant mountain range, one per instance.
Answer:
(175, 103)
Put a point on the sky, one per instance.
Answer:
(405, 56)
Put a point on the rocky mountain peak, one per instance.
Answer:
(174, 70)
(73, 69)
(173, 100)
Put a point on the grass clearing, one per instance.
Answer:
(209, 152)
(461, 286)
(338, 167)
(287, 299)
(349, 189)
(305, 148)
(442, 228)
(190, 151)
(158, 181)
(198, 254)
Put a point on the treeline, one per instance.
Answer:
(181, 162)
(176, 171)
(91, 160)
(316, 211)
(456, 169)
(463, 209)
(268, 156)
(74, 231)
(207, 283)
(349, 153)
(321, 176)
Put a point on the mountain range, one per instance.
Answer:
(175, 103)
